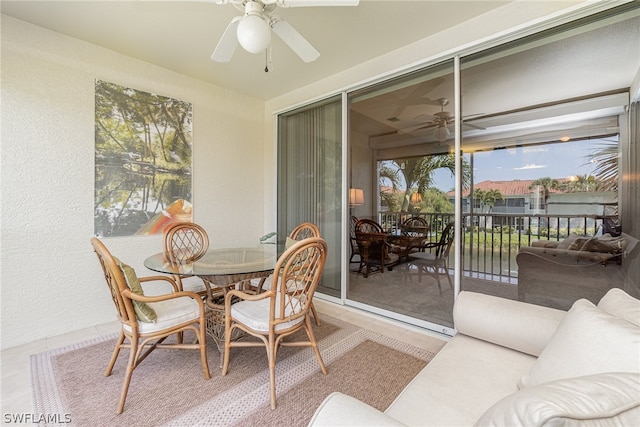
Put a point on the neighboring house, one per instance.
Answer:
(523, 207)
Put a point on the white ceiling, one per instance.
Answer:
(181, 35)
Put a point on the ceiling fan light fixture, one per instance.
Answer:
(441, 133)
(254, 34)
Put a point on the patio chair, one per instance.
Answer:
(281, 311)
(186, 242)
(302, 231)
(146, 321)
(376, 252)
(435, 263)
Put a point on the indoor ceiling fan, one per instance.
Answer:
(438, 123)
(253, 30)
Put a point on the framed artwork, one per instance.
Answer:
(143, 160)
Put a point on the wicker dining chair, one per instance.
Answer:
(302, 231)
(281, 311)
(352, 239)
(186, 242)
(376, 253)
(146, 321)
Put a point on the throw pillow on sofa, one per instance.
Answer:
(603, 244)
(607, 399)
(567, 242)
(587, 341)
(622, 305)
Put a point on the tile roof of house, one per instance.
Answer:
(507, 188)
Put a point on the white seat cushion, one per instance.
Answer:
(255, 314)
(193, 284)
(453, 390)
(266, 285)
(170, 313)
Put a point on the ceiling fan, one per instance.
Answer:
(253, 30)
(439, 123)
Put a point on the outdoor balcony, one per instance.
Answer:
(488, 261)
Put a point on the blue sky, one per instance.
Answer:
(530, 162)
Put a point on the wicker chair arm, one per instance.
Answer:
(160, 278)
(244, 296)
(142, 298)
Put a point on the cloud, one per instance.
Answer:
(534, 166)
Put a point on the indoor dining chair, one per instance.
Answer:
(186, 242)
(302, 231)
(146, 321)
(280, 311)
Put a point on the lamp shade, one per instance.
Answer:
(254, 34)
(356, 197)
(416, 198)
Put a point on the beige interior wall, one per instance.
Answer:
(51, 282)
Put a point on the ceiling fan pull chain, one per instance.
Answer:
(267, 59)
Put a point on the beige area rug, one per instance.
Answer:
(168, 388)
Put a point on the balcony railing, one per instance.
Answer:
(491, 240)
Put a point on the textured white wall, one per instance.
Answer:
(51, 282)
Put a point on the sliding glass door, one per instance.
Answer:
(548, 162)
(544, 138)
(402, 160)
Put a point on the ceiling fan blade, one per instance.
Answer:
(310, 3)
(295, 41)
(228, 42)
(414, 128)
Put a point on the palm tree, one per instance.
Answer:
(606, 170)
(388, 175)
(418, 172)
(488, 197)
(583, 183)
(547, 185)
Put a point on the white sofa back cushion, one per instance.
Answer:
(620, 304)
(513, 324)
(588, 341)
(609, 399)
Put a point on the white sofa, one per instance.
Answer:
(513, 363)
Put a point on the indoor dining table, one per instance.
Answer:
(221, 269)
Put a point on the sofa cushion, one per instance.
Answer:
(465, 378)
(620, 304)
(338, 409)
(529, 329)
(587, 341)
(602, 399)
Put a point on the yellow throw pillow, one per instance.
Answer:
(144, 312)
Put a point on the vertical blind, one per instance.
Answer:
(309, 176)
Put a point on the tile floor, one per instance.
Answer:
(16, 392)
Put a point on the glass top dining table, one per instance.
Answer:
(225, 268)
(222, 266)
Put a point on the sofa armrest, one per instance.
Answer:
(517, 325)
(341, 410)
